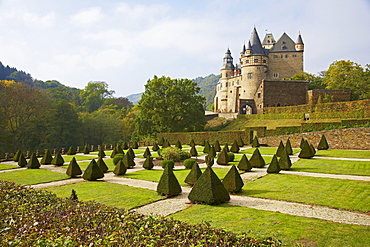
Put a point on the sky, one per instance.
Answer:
(126, 43)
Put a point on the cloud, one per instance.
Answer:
(46, 21)
(87, 16)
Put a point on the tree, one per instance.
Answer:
(345, 74)
(169, 105)
(315, 82)
(94, 94)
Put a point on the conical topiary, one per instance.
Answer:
(209, 189)
(217, 146)
(284, 162)
(212, 151)
(274, 165)
(306, 152)
(103, 167)
(232, 181)
(210, 160)
(280, 149)
(168, 184)
(223, 158)
(119, 149)
(166, 144)
(131, 152)
(234, 148)
(192, 143)
(206, 147)
(257, 160)
(301, 144)
(240, 142)
(47, 158)
(128, 160)
(113, 153)
(92, 172)
(288, 147)
(161, 141)
(16, 155)
(73, 196)
(148, 163)
(178, 144)
(73, 169)
(226, 147)
(57, 160)
(255, 142)
(135, 145)
(120, 168)
(323, 144)
(193, 175)
(33, 163)
(193, 151)
(313, 150)
(101, 152)
(244, 164)
(125, 146)
(71, 151)
(22, 162)
(155, 147)
(147, 153)
(86, 150)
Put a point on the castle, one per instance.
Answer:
(258, 80)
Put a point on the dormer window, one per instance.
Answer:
(284, 47)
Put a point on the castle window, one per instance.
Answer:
(237, 82)
(286, 56)
(247, 61)
(249, 76)
(227, 75)
(294, 55)
(256, 60)
(264, 61)
(276, 75)
(278, 105)
(258, 67)
(259, 95)
(284, 47)
(231, 91)
(276, 56)
(227, 84)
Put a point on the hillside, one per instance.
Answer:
(207, 89)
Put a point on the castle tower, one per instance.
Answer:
(269, 41)
(299, 46)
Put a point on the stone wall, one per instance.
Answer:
(337, 95)
(352, 138)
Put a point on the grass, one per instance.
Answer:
(348, 167)
(338, 193)
(155, 175)
(344, 153)
(110, 194)
(238, 157)
(68, 158)
(84, 164)
(292, 230)
(32, 176)
(6, 167)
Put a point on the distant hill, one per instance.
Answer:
(207, 89)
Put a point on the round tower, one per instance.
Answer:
(299, 46)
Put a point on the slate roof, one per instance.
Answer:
(256, 45)
(284, 44)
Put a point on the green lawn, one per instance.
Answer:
(292, 230)
(348, 167)
(84, 164)
(155, 175)
(110, 194)
(68, 158)
(32, 176)
(238, 157)
(338, 193)
(6, 167)
(344, 153)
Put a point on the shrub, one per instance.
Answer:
(234, 148)
(217, 146)
(135, 145)
(288, 147)
(210, 160)
(223, 157)
(166, 163)
(172, 153)
(117, 158)
(16, 156)
(131, 152)
(193, 151)
(120, 168)
(208, 189)
(244, 164)
(103, 167)
(193, 175)
(255, 142)
(168, 184)
(92, 172)
(274, 165)
(323, 144)
(306, 151)
(230, 157)
(232, 180)
(240, 142)
(128, 160)
(147, 153)
(284, 162)
(280, 149)
(206, 147)
(71, 151)
(125, 146)
(33, 163)
(47, 158)
(178, 144)
(101, 152)
(257, 159)
(73, 169)
(148, 163)
(188, 163)
(86, 150)
(155, 147)
(22, 162)
(57, 160)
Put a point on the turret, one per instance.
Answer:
(228, 67)
(249, 49)
(299, 46)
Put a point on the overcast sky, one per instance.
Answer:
(125, 43)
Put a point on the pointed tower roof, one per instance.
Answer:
(256, 45)
(299, 40)
(243, 49)
(228, 60)
(249, 47)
